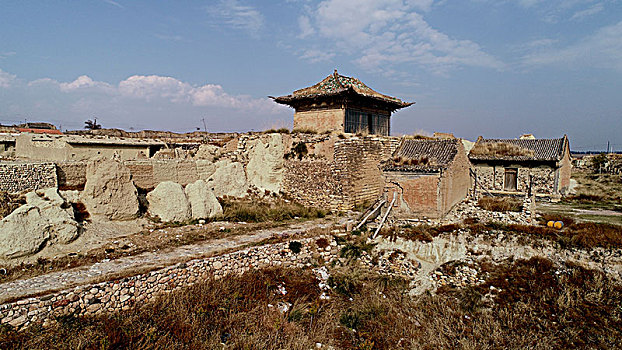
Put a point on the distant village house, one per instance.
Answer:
(521, 166)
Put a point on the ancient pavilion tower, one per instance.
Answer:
(342, 104)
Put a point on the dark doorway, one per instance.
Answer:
(510, 183)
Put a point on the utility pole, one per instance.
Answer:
(204, 126)
(607, 147)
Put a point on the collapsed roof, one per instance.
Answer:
(519, 149)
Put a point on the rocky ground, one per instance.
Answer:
(163, 253)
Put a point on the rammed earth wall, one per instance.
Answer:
(18, 176)
(351, 177)
(121, 294)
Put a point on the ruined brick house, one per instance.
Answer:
(521, 166)
(342, 104)
(430, 176)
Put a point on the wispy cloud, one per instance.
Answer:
(314, 56)
(581, 15)
(114, 3)
(165, 37)
(602, 49)
(234, 14)
(6, 79)
(4, 55)
(381, 34)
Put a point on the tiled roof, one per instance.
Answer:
(432, 154)
(537, 149)
(336, 84)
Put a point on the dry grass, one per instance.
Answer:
(597, 189)
(500, 149)
(533, 305)
(278, 210)
(422, 160)
(500, 204)
(583, 235)
(424, 233)
(304, 131)
(276, 131)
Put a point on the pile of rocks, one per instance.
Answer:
(392, 263)
(469, 209)
(462, 275)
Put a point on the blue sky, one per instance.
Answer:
(473, 67)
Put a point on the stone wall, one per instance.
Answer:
(121, 294)
(357, 165)
(351, 177)
(26, 176)
(313, 183)
(492, 177)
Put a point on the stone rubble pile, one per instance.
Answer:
(469, 209)
(463, 275)
(392, 263)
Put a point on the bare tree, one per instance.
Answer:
(92, 124)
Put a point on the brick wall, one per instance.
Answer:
(418, 194)
(313, 183)
(357, 163)
(26, 176)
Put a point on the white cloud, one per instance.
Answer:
(170, 37)
(314, 56)
(603, 49)
(581, 15)
(6, 79)
(306, 29)
(392, 32)
(139, 101)
(154, 87)
(114, 3)
(84, 82)
(236, 15)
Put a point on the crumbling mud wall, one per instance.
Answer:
(333, 172)
(340, 173)
(26, 176)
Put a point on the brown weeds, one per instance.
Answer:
(523, 304)
(501, 204)
(500, 149)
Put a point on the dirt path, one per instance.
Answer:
(125, 266)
